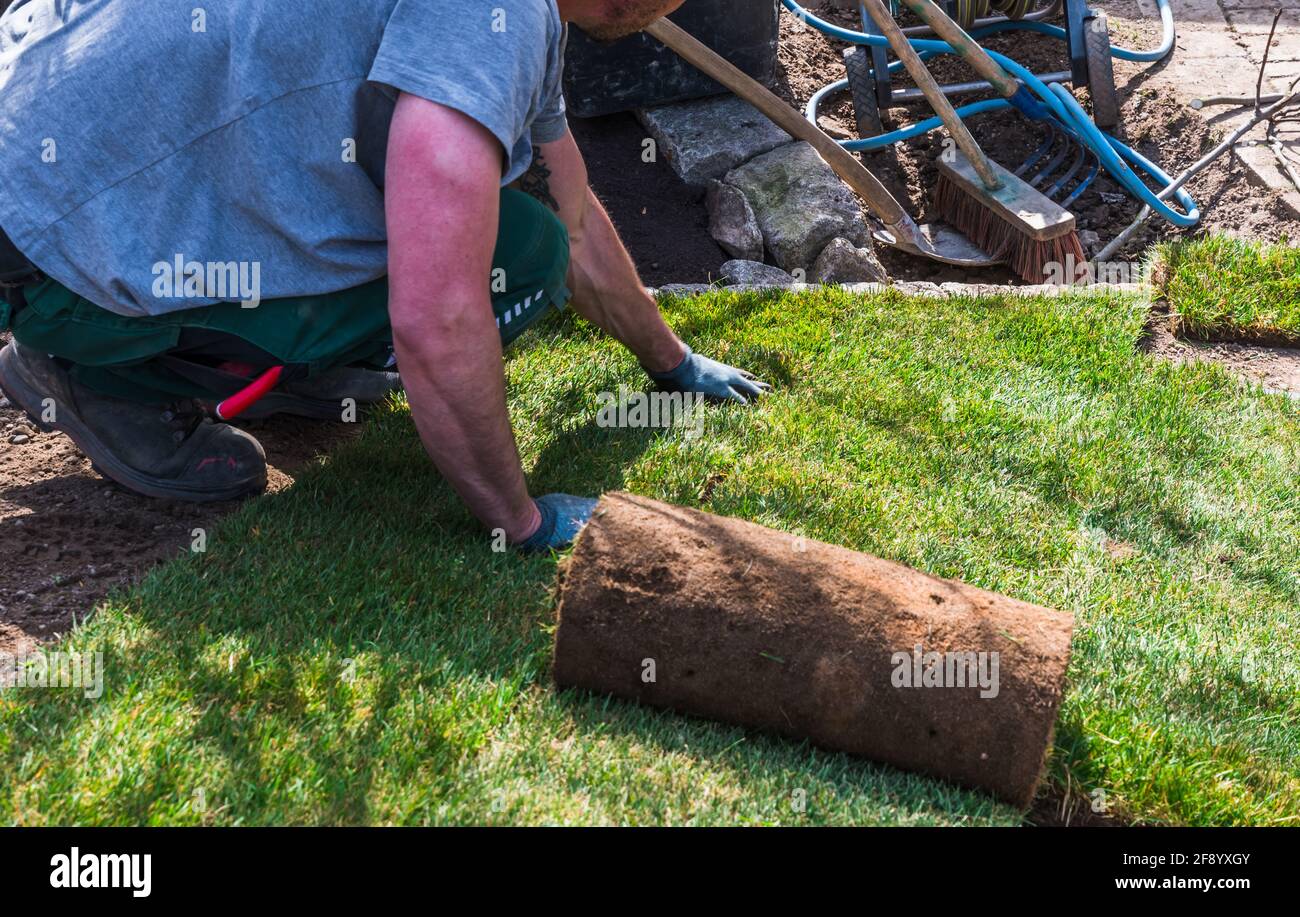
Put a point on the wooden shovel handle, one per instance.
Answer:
(846, 166)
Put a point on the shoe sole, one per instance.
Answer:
(24, 393)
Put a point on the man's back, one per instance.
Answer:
(136, 131)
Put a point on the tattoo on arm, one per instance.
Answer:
(537, 182)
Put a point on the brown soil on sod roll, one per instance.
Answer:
(732, 621)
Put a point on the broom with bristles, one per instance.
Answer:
(1031, 233)
(999, 212)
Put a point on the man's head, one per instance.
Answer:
(606, 20)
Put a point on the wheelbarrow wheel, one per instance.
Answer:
(862, 86)
(1101, 73)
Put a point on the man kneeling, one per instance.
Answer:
(209, 203)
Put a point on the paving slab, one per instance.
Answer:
(1218, 51)
(706, 138)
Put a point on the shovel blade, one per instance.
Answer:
(938, 242)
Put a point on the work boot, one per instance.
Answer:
(173, 451)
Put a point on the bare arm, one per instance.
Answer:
(441, 197)
(604, 282)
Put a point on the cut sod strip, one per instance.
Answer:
(1225, 289)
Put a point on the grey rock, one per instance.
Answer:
(680, 289)
(732, 223)
(1090, 241)
(704, 138)
(19, 438)
(843, 262)
(753, 273)
(800, 204)
(920, 288)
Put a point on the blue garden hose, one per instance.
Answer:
(1056, 101)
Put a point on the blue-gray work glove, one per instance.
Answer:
(563, 516)
(711, 379)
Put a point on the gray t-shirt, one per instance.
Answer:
(140, 136)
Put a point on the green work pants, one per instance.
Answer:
(144, 358)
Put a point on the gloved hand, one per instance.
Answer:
(563, 516)
(711, 379)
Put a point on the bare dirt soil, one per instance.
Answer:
(661, 219)
(1275, 369)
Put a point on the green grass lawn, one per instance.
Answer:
(1226, 289)
(352, 651)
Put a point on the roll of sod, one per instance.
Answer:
(732, 621)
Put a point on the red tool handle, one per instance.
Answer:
(244, 399)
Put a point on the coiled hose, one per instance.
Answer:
(1115, 157)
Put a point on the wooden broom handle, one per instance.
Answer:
(934, 95)
(846, 166)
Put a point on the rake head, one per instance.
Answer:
(1043, 168)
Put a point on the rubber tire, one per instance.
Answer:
(1101, 73)
(862, 86)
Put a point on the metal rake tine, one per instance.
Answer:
(1086, 181)
(1052, 164)
(1037, 154)
(1079, 156)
